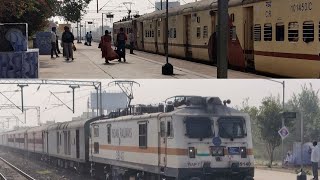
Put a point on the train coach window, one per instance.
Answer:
(268, 32)
(279, 32)
(96, 148)
(95, 131)
(308, 31)
(233, 33)
(205, 31)
(143, 135)
(198, 32)
(293, 32)
(169, 129)
(162, 129)
(174, 33)
(109, 133)
(257, 32)
(158, 32)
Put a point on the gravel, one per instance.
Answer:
(40, 170)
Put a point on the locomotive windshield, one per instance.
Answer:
(232, 127)
(199, 127)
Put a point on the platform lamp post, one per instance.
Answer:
(102, 25)
(222, 34)
(282, 119)
(167, 69)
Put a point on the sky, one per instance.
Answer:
(150, 92)
(119, 9)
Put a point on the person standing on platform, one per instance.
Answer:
(121, 44)
(53, 43)
(67, 39)
(57, 43)
(132, 41)
(89, 38)
(107, 52)
(315, 158)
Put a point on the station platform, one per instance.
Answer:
(88, 64)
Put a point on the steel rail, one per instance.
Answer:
(18, 170)
(2, 177)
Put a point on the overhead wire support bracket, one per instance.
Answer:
(126, 87)
(11, 101)
(61, 101)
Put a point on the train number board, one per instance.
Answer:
(301, 6)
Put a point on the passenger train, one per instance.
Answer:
(276, 37)
(191, 138)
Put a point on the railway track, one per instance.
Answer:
(10, 172)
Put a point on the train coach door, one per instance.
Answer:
(156, 34)
(248, 36)
(162, 144)
(26, 141)
(142, 36)
(188, 37)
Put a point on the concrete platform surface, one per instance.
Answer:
(88, 64)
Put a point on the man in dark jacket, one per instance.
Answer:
(121, 44)
(67, 39)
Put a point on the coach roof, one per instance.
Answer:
(187, 8)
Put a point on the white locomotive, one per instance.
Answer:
(193, 138)
(196, 138)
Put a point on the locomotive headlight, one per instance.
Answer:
(243, 152)
(192, 152)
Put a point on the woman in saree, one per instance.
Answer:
(107, 52)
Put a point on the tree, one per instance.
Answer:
(33, 12)
(253, 113)
(73, 10)
(269, 122)
(308, 102)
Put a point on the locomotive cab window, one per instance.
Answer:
(143, 132)
(198, 127)
(308, 31)
(267, 32)
(293, 32)
(232, 127)
(257, 32)
(279, 32)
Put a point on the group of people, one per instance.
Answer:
(108, 53)
(105, 44)
(67, 43)
(314, 151)
(88, 39)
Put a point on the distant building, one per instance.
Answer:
(171, 4)
(84, 116)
